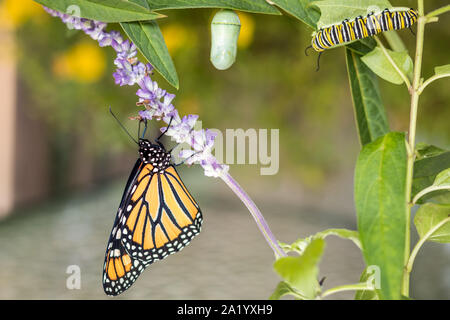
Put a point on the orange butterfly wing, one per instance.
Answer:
(119, 269)
(161, 217)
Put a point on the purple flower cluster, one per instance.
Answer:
(92, 28)
(158, 105)
(129, 70)
(157, 102)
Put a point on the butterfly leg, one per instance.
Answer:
(145, 128)
(182, 162)
(162, 134)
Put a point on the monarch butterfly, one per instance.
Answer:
(362, 27)
(157, 216)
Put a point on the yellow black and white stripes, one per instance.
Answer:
(362, 27)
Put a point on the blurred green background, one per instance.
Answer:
(65, 86)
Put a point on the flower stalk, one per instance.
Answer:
(256, 214)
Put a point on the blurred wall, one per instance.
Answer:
(7, 114)
(33, 165)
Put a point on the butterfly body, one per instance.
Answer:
(157, 217)
(154, 154)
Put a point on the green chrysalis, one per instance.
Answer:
(225, 28)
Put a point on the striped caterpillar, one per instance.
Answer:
(362, 27)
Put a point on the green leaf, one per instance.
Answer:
(103, 10)
(342, 233)
(442, 198)
(335, 11)
(142, 3)
(370, 116)
(149, 40)
(442, 70)
(301, 272)
(426, 169)
(377, 61)
(432, 165)
(366, 294)
(443, 179)
(362, 46)
(440, 185)
(300, 9)
(424, 150)
(427, 219)
(256, 6)
(300, 245)
(381, 206)
(284, 289)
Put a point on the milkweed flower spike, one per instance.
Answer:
(158, 105)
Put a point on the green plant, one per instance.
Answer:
(392, 174)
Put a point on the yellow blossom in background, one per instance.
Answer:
(247, 30)
(13, 13)
(84, 62)
(178, 36)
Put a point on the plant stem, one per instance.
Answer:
(438, 11)
(348, 287)
(431, 79)
(428, 190)
(422, 241)
(412, 139)
(399, 71)
(257, 215)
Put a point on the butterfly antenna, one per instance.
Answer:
(167, 129)
(122, 126)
